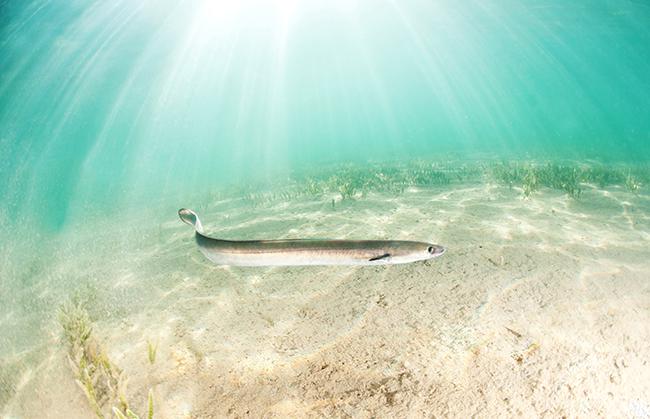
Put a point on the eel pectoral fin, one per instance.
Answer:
(381, 257)
(189, 217)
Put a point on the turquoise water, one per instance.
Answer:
(109, 105)
(115, 114)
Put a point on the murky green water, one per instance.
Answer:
(294, 119)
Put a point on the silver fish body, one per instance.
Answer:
(300, 252)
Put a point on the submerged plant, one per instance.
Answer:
(532, 178)
(347, 190)
(129, 413)
(151, 352)
(101, 381)
(531, 183)
(427, 176)
(150, 404)
(347, 182)
(555, 177)
(313, 187)
(507, 174)
(564, 178)
(602, 176)
(631, 184)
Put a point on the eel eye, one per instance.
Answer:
(430, 249)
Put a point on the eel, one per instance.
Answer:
(300, 252)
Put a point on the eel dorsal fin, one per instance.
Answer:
(381, 257)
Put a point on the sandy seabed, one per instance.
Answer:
(539, 308)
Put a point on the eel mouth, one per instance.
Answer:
(436, 250)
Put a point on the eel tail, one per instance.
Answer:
(189, 217)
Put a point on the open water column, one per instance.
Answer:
(516, 133)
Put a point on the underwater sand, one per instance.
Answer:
(540, 307)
